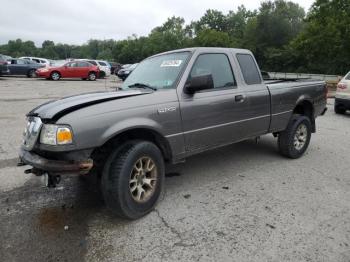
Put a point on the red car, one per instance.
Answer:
(74, 69)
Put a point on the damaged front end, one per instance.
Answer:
(51, 164)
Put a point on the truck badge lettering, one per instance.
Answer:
(166, 110)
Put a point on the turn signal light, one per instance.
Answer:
(64, 136)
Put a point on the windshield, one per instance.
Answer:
(158, 72)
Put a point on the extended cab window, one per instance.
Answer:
(249, 69)
(216, 65)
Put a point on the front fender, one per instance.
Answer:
(128, 124)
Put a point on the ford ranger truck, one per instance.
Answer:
(172, 106)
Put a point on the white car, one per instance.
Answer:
(342, 97)
(105, 70)
(39, 60)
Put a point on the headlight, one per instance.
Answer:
(56, 135)
(126, 72)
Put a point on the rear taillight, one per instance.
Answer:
(341, 86)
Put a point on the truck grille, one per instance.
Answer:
(31, 132)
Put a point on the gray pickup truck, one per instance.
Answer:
(174, 105)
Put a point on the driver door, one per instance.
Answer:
(70, 69)
(212, 117)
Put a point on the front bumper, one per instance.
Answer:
(42, 74)
(42, 165)
(5, 71)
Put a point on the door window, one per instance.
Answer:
(20, 62)
(73, 64)
(218, 65)
(92, 62)
(83, 64)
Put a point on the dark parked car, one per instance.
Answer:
(23, 67)
(115, 67)
(174, 105)
(125, 72)
(4, 70)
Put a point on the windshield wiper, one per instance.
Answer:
(141, 85)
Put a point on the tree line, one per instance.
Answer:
(280, 33)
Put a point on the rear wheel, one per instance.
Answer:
(31, 73)
(92, 76)
(55, 76)
(132, 179)
(294, 141)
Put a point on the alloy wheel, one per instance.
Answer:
(143, 179)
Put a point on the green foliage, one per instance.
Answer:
(323, 47)
(213, 38)
(278, 33)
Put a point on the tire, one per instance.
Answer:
(132, 179)
(31, 73)
(55, 76)
(339, 109)
(294, 141)
(102, 74)
(92, 76)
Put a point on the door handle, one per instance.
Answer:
(239, 98)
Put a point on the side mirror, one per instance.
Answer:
(198, 83)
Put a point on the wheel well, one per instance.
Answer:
(136, 134)
(92, 72)
(305, 108)
(55, 72)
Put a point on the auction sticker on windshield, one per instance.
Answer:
(168, 63)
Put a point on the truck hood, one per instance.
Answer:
(53, 110)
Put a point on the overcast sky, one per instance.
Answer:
(76, 21)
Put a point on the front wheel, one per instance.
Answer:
(294, 141)
(55, 76)
(132, 179)
(102, 74)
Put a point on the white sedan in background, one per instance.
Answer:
(105, 70)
